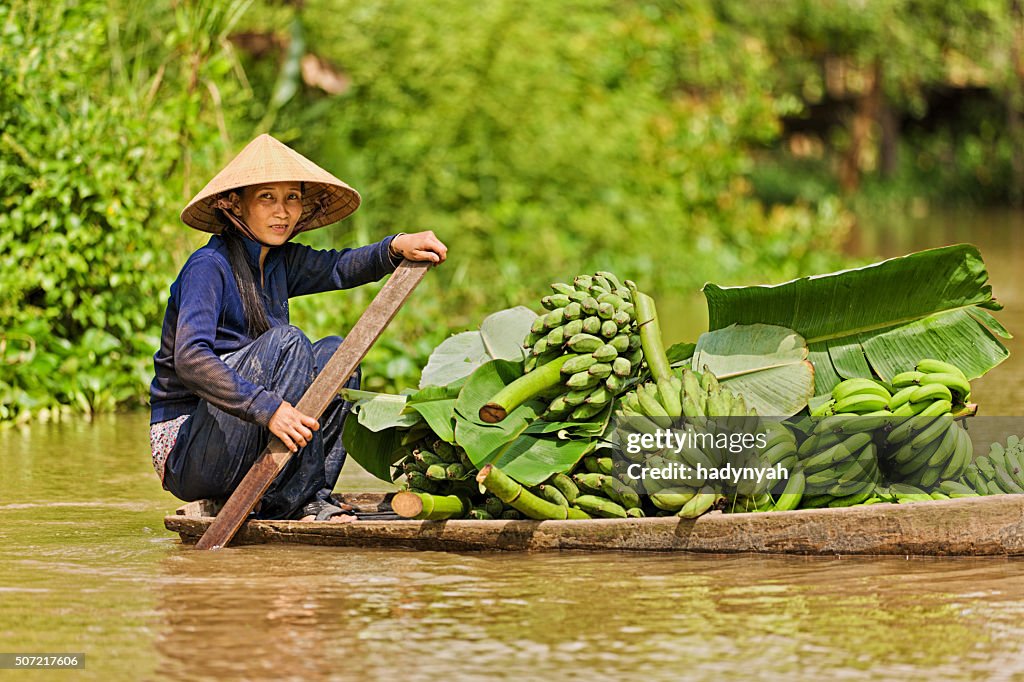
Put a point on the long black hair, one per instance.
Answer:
(256, 320)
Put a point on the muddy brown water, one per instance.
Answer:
(86, 566)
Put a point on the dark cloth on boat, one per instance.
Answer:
(214, 449)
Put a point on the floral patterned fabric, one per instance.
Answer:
(162, 436)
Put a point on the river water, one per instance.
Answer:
(86, 566)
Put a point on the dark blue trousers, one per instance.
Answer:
(214, 450)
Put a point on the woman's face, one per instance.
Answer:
(270, 210)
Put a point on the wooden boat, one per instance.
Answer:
(980, 526)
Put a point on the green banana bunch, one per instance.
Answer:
(925, 446)
(592, 320)
(779, 451)
(932, 380)
(840, 466)
(434, 466)
(1000, 471)
(931, 450)
(856, 396)
(710, 409)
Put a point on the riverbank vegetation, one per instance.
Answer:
(674, 144)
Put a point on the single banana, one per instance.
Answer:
(579, 363)
(984, 466)
(930, 366)
(947, 444)
(838, 452)
(909, 492)
(589, 483)
(867, 491)
(565, 486)
(858, 386)
(952, 488)
(818, 442)
(931, 392)
(959, 386)
(934, 430)
(791, 495)
(778, 453)
(929, 476)
(599, 506)
(937, 408)
(672, 499)
(584, 343)
(670, 390)
(902, 397)
(701, 503)
(857, 423)
(860, 403)
(904, 379)
(909, 409)
(919, 460)
(605, 353)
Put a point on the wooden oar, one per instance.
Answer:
(318, 396)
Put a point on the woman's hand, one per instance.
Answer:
(420, 246)
(292, 427)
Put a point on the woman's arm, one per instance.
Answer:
(311, 271)
(201, 294)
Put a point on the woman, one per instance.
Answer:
(230, 367)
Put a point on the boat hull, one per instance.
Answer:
(982, 526)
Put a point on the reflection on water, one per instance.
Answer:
(87, 566)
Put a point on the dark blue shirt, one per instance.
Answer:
(205, 320)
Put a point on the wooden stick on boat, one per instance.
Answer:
(316, 399)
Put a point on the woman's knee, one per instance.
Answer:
(284, 336)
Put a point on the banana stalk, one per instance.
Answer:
(427, 507)
(650, 335)
(522, 389)
(519, 498)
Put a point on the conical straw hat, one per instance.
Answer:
(326, 199)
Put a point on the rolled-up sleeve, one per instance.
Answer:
(202, 284)
(311, 271)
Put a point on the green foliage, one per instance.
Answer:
(946, 79)
(537, 142)
(85, 161)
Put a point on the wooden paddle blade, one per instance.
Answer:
(318, 396)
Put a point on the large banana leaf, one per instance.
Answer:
(375, 451)
(500, 338)
(374, 433)
(883, 317)
(524, 447)
(765, 364)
